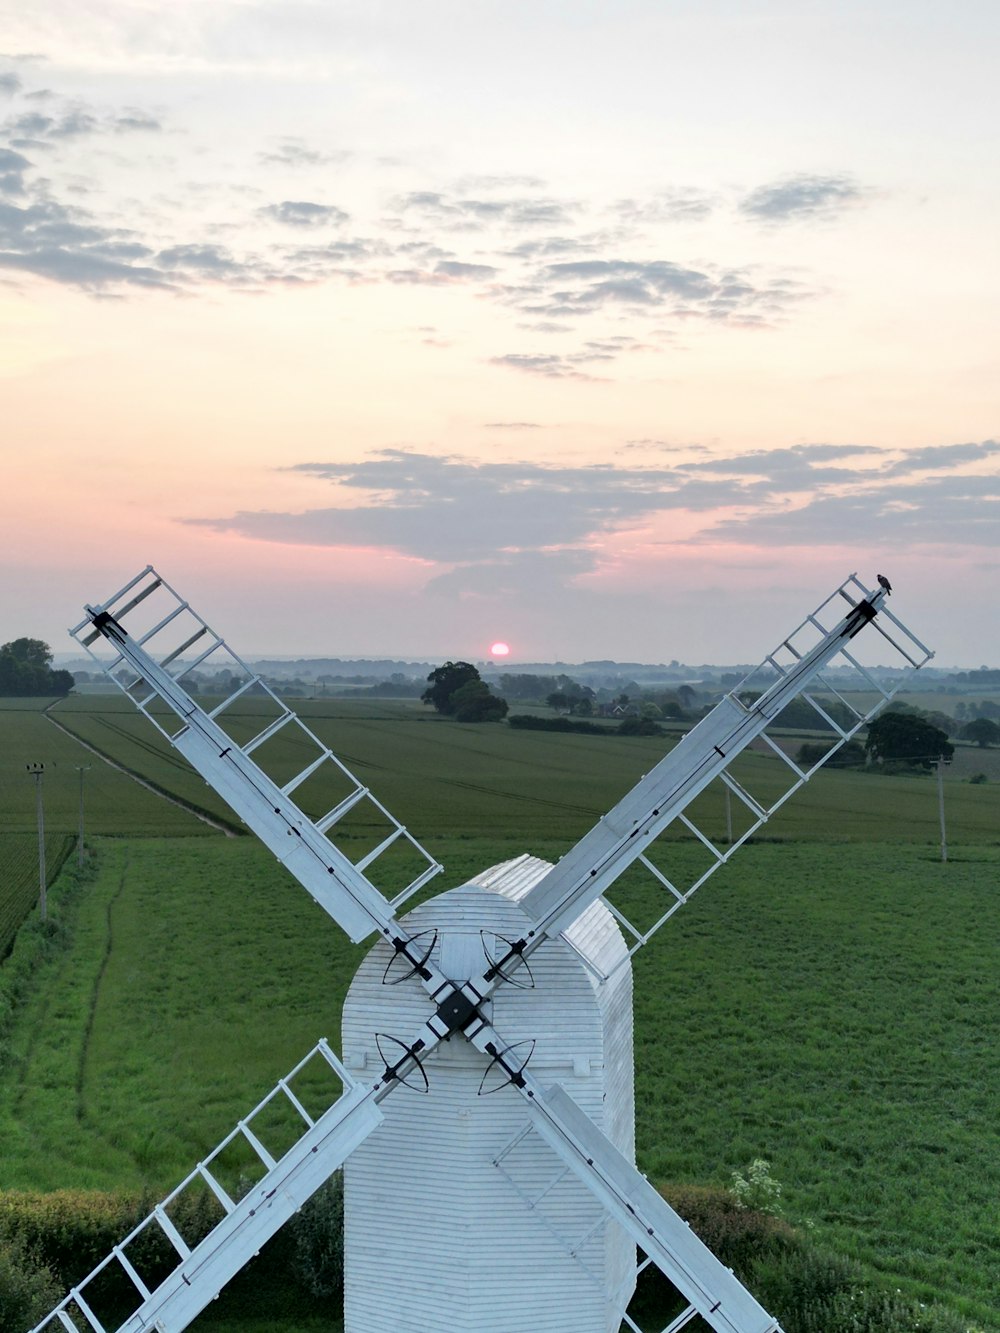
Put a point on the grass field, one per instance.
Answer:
(828, 1001)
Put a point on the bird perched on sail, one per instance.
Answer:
(885, 582)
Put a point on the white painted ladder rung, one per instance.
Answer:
(331, 817)
(136, 600)
(256, 1145)
(183, 647)
(66, 1322)
(283, 1085)
(844, 735)
(739, 791)
(270, 730)
(832, 689)
(682, 1320)
(87, 1312)
(886, 694)
(231, 698)
(215, 1187)
(707, 842)
(781, 755)
(192, 666)
(307, 772)
(137, 1281)
(171, 1232)
(376, 852)
(171, 615)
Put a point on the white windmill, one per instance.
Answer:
(506, 1196)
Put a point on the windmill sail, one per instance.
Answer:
(253, 750)
(624, 835)
(203, 1267)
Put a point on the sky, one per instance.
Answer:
(611, 330)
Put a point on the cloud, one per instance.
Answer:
(294, 152)
(547, 365)
(208, 261)
(935, 456)
(302, 213)
(512, 425)
(12, 169)
(491, 528)
(445, 271)
(668, 206)
(658, 287)
(76, 121)
(802, 196)
(9, 83)
(463, 213)
(454, 510)
(63, 245)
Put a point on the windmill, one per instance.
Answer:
(511, 992)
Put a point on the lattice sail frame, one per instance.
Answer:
(165, 626)
(291, 1175)
(764, 678)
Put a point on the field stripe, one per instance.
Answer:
(227, 829)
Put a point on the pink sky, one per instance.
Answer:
(610, 331)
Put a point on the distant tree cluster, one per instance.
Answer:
(26, 669)
(457, 690)
(906, 738)
(982, 732)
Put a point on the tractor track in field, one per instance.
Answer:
(150, 786)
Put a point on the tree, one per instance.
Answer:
(904, 738)
(475, 702)
(982, 731)
(25, 669)
(445, 681)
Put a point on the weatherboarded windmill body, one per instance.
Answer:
(483, 1105)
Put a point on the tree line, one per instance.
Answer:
(26, 670)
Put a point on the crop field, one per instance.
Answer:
(19, 877)
(828, 1001)
(113, 803)
(446, 780)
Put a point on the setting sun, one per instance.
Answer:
(499, 649)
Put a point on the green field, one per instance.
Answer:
(829, 1001)
(19, 877)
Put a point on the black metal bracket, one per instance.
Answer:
(511, 1065)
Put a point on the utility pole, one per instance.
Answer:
(940, 784)
(36, 771)
(81, 769)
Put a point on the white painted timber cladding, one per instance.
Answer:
(437, 1238)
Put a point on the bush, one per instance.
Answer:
(72, 1231)
(317, 1238)
(738, 1236)
(28, 1289)
(815, 1291)
(758, 1188)
(639, 726)
(528, 722)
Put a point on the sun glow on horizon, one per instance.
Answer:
(499, 649)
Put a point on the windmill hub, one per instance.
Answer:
(457, 1011)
